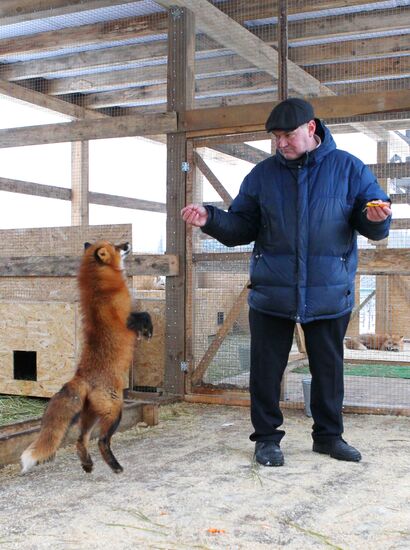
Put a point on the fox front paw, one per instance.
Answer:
(140, 322)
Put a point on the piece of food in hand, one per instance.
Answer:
(376, 203)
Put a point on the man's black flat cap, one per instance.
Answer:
(289, 115)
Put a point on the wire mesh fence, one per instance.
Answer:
(84, 62)
(377, 346)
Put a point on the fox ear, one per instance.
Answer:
(103, 255)
(87, 245)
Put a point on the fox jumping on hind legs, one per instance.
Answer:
(94, 394)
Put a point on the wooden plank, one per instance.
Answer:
(252, 117)
(242, 151)
(79, 183)
(35, 189)
(361, 70)
(327, 29)
(368, 86)
(14, 11)
(243, 400)
(95, 33)
(398, 223)
(389, 261)
(126, 202)
(14, 438)
(283, 50)
(226, 326)
(180, 96)
(49, 241)
(213, 180)
(359, 307)
(144, 75)
(333, 52)
(55, 192)
(123, 126)
(243, 10)
(384, 170)
(67, 266)
(46, 102)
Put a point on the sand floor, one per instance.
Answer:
(191, 483)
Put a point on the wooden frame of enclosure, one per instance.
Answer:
(185, 128)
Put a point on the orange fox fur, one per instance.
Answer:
(384, 342)
(94, 394)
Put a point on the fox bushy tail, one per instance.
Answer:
(61, 411)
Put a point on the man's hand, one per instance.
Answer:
(195, 214)
(376, 213)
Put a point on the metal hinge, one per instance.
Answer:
(184, 366)
(185, 166)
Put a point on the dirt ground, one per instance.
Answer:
(191, 483)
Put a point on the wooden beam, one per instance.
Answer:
(46, 102)
(327, 29)
(243, 10)
(133, 27)
(67, 266)
(387, 261)
(253, 117)
(95, 33)
(132, 125)
(79, 182)
(234, 36)
(400, 223)
(241, 151)
(213, 180)
(359, 307)
(180, 96)
(384, 261)
(390, 67)
(145, 75)
(390, 169)
(349, 50)
(35, 189)
(15, 11)
(55, 192)
(126, 202)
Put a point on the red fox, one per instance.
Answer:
(94, 394)
(384, 342)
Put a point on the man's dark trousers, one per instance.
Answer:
(271, 341)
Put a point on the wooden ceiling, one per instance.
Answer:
(110, 56)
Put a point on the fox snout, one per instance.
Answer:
(125, 249)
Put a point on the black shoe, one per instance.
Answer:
(337, 448)
(268, 453)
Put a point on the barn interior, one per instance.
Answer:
(117, 113)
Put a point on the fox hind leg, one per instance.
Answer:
(108, 428)
(87, 422)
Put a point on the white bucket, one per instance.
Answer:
(306, 395)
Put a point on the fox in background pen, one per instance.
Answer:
(95, 393)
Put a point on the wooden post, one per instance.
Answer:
(180, 94)
(79, 182)
(283, 49)
(382, 281)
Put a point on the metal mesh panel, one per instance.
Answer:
(61, 65)
(375, 379)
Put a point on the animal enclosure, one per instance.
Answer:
(117, 113)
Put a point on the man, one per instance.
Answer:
(303, 208)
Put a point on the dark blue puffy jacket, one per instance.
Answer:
(304, 223)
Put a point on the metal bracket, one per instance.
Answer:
(185, 166)
(176, 12)
(184, 366)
